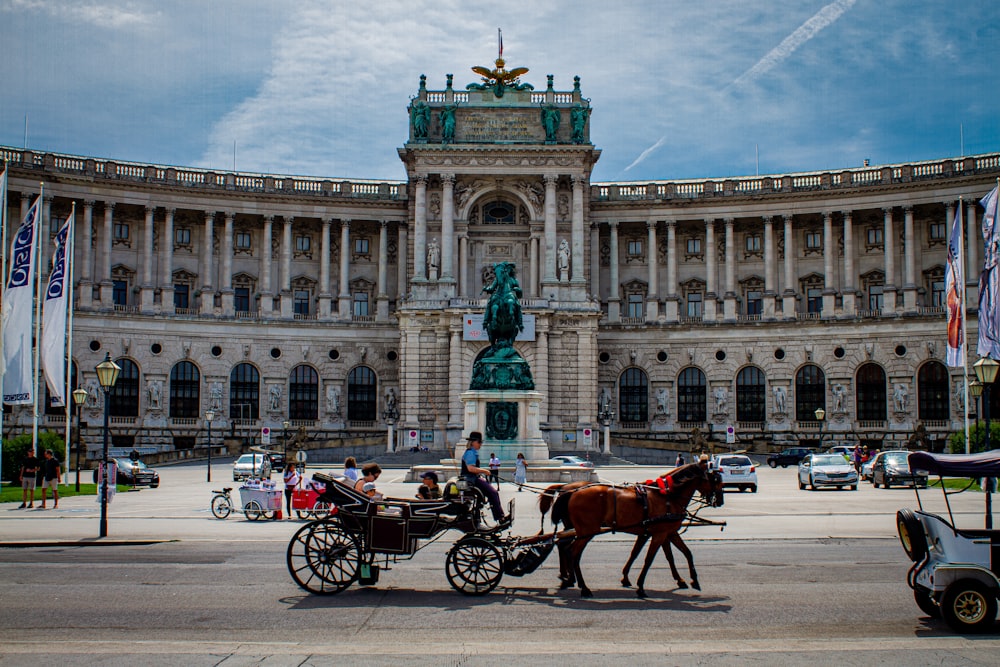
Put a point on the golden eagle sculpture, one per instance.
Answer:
(499, 79)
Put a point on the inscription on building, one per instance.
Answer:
(495, 126)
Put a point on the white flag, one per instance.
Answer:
(19, 377)
(989, 280)
(54, 318)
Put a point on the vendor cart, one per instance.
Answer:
(260, 502)
(307, 503)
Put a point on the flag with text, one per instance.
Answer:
(53, 351)
(19, 376)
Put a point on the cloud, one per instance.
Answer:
(111, 15)
(800, 36)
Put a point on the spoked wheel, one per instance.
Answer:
(323, 558)
(474, 566)
(969, 606)
(221, 507)
(321, 510)
(253, 511)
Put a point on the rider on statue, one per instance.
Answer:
(502, 367)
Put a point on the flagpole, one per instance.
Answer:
(3, 285)
(39, 230)
(965, 325)
(68, 283)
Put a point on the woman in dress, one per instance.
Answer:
(520, 471)
(351, 469)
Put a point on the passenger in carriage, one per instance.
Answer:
(429, 490)
(369, 473)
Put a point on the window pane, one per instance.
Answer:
(303, 394)
(632, 396)
(750, 387)
(244, 393)
(361, 402)
(691, 396)
(810, 393)
(184, 390)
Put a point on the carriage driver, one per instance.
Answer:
(471, 472)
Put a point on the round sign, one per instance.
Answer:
(265, 431)
(586, 432)
(300, 456)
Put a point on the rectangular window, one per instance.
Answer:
(361, 246)
(937, 231)
(635, 248)
(814, 240)
(875, 297)
(694, 304)
(694, 246)
(302, 243)
(300, 302)
(121, 231)
(635, 306)
(874, 236)
(753, 243)
(119, 292)
(937, 293)
(241, 299)
(182, 236)
(755, 302)
(182, 296)
(814, 300)
(243, 240)
(360, 304)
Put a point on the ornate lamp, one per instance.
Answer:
(209, 416)
(79, 398)
(107, 376)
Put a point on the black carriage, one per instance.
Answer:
(327, 556)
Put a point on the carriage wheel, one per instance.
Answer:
(323, 558)
(474, 566)
(252, 510)
(321, 510)
(969, 606)
(221, 507)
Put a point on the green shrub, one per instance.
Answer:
(16, 448)
(977, 438)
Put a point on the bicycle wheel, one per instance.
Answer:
(474, 566)
(323, 558)
(253, 511)
(221, 507)
(321, 510)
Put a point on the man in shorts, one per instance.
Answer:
(51, 477)
(29, 468)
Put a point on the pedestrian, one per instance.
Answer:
(29, 469)
(292, 479)
(52, 476)
(520, 471)
(680, 460)
(494, 470)
(471, 473)
(351, 470)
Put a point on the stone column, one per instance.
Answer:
(711, 273)
(47, 248)
(457, 378)
(344, 297)
(770, 276)
(533, 260)
(401, 250)
(614, 298)
(226, 279)
(285, 293)
(595, 261)
(652, 303)
(673, 301)
(549, 276)
(889, 240)
(419, 235)
(323, 303)
(849, 288)
(909, 259)
(266, 289)
(107, 238)
(463, 266)
(448, 228)
(146, 287)
(730, 312)
(576, 233)
(167, 263)
(788, 295)
(973, 241)
(207, 306)
(541, 367)
(829, 279)
(85, 291)
(382, 296)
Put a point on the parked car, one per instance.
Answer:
(866, 468)
(892, 467)
(134, 473)
(788, 457)
(252, 465)
(277, 461)
(573, 461)
(830, 469)
(845, 450)
(736, 470)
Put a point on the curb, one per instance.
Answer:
(88, 542)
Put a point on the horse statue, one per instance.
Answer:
(502, 319)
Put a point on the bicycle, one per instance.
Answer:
(222, 503)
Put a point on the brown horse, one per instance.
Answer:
(599, 508)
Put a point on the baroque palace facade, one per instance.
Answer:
(741, 303)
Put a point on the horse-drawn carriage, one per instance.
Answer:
(328, 555)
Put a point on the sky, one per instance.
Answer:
(679, 89)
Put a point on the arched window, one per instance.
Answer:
(303, 393)
(932, 392)
(361, 394)
(632, 396)
(871, 405)
(692, 396)
(244, 393)
(810, 392)
(185, 391)
(750, 393)
(124, 395)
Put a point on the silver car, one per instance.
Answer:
(252, 465)
(736, 470)
(818, 470)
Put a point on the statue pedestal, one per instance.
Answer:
(509, 422)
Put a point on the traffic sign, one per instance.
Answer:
(265, 436)
(300, 456)
(730, 435)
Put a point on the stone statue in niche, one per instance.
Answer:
(562, 257)
(433, 256)
(662, 401)
(153, 394)
(721, 400)
(779, 399)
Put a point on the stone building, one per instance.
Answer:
(741, 303)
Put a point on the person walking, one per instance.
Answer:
(292, 479)
(494, 470)
(520, 471)
(29, 471)
(52, 476)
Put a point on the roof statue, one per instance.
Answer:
(499, 79)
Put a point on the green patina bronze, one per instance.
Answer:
(502, 367)
(501, 420)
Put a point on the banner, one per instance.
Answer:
(989, 282)
(54, 318)
(19, 376)
(954, 292)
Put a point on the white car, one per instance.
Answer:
(818, 470)
(572, 461)
(252, 465)
(737, 470)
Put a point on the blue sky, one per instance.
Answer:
(679, 89)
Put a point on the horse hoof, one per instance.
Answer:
(586, 594)
(682, 584)
(563, 585)
(641, 594)
(626, 583)
(696, 585)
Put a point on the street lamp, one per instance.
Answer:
(820, 416)
(605, 415)
(79, 398)
(390, 415)
(209, 416)
(986, 372)
(976, 389)
(286, 425)
(107, 376)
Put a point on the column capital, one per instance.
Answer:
(787, 217)
(908, 208)
(710, 222)
(448, 178)
(345, 223)
(150, 210)
(109, 206)
(847, 214)
(729, 221)
(420, 181)
(210, 216)
(289, 220)
(170, 211)
(384, 224)
(550, 179)
(89, 203)
(326, 221)
(230, 216)
(613, 224)
(651, 224)
(269, 219)
(887, 210)
(578, 180)
(768, 219)
(827, 216)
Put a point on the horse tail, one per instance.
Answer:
(546, 500)
(560, 510)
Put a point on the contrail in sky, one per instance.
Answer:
(645, 153)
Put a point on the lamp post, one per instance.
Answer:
(986, 372)
(976, 389)
(79, 398)
(605, 415)
(286, 425)
(820, 416)
(390, 415)
(107, 376)
(209, 416)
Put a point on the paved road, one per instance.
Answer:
(796, 576)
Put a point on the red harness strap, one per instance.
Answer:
(664, 484)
